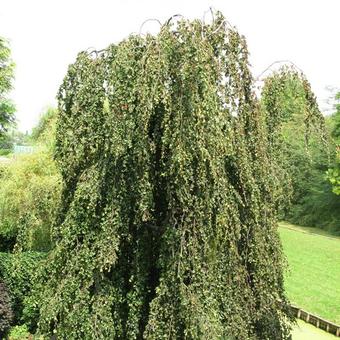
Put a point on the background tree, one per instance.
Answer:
(6, 143)
(310, 199)
(334, 172)
(44, 131)
(336, 119)
(6, 77)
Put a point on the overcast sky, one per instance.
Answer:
(46, 35)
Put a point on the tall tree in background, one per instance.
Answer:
(336, 119)
(334, 172)
(312, 202)
(6, 78)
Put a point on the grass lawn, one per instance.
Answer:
(305, 331)
(313, 280)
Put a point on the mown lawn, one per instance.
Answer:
(305, 331)
(313, 280)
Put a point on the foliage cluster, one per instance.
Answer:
(6, 144)
(172, 179)
(44, 132)
(17, 271)
(6, 77)
(19, 333)
(29, 192)
(336, 118)
(6, 313)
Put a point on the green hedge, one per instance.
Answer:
(17, 272)
(6, 314)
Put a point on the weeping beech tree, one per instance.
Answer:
(167, 226)
(292, 115)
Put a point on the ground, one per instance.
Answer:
(305, 331)
(312, 281)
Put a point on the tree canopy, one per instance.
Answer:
(167, 225)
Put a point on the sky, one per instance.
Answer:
(46, 35)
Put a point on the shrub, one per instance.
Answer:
(17, 271)
(44, 131)
(19, 333)
(6, 314)
(29, 191)
(5, 152)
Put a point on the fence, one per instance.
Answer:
(20, 149)
(327, 326)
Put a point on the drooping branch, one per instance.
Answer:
(168, 224)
